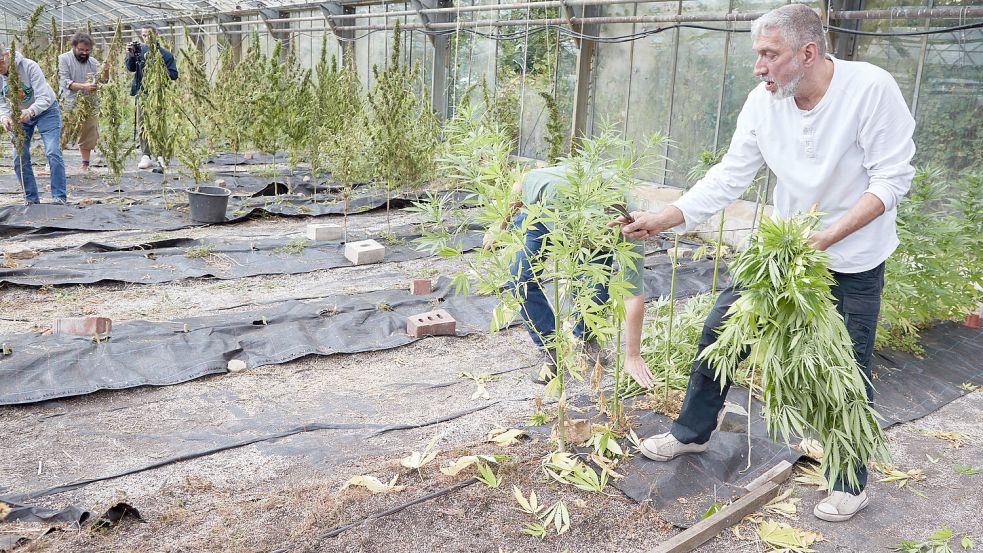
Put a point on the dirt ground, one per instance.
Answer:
(284, 494)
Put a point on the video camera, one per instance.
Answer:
(133, 47)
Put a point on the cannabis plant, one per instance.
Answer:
(233, 101)
(346, 140)
(477, 158)
(269, 108)
(115, 143)
(74, 119)
(402, 129)
(14, 91)
(785, 317)
(160, 106)
(936, 273)
(555, 137)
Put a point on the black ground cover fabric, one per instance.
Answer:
(161, 353)
(168, 260)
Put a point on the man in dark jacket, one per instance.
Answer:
(135, 60)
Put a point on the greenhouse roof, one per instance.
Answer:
(75, 13)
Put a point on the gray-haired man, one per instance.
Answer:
(835, 133)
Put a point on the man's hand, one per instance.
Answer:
(90, 87)
(488, 241)
(8, 124)
(648, 224)
(25, 116)
(821, 240)
(638, 370)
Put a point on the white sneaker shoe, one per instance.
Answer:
(145, 163)
(161, 162)
(663, 447)
(840, 506)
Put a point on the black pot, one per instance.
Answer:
(208, 203)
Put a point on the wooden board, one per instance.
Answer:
(762, 491)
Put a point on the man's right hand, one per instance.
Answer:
(648, 224)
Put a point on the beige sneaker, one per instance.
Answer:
(840, 506)
(145, 163)
(663, 447)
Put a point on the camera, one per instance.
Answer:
(133, 47)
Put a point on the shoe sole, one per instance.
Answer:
(839, 518)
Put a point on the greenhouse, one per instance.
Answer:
(551, 275)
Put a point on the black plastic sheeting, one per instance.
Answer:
(907, 388)
(167, 260)
(48, 218)
(141, 353)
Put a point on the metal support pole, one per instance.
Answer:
(581, 91)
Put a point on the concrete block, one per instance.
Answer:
(421, 287)
(18, 251)
(248, 156)
(84, 326)
(324, 231)
(365, 252)
(237, 365)
(221, 183)
(433, 323)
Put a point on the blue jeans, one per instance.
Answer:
(858, 300)
(536, 311)
(49, 125)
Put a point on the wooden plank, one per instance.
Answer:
(778, 473)
(706, 529)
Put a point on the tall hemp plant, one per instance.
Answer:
(194, 143)
(14, 92)
(785, 317)
(233, 101)
(346, 139)
(115, 113)
(269, 108)
(477, 158)
(301, 114)
(402, 129)
(160, 104)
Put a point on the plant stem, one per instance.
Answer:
(672, 310)
(716, 257)
(560, 366)
(618, 365)
(750, 395)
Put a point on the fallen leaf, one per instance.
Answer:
(373, 484)
(779, 536)
(505, 437)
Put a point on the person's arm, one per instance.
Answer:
(723, 184)
(5, 108)
(63, 73)
(132, 61)
(634, 320)
(885, 136)
(488, 240)
(171, 64)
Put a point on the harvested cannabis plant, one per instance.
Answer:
(785, 316)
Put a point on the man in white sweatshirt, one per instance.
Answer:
(835, 133)
(39, 110)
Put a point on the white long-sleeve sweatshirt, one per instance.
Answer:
(857, 139)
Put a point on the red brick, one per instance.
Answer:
(972, 320)
(84, 326)
(433, 323)
(421, 287)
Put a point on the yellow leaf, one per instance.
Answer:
(462, 463)
(505, 437)
(782, 537)
(373, 484)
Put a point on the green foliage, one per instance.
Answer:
(937, 542)
(786, 318)
(159, 98)
(403, 130)
(674, 361)
(937, 271)
(15, 88)
(115, 143)
(476, 157)
(268, 105)
(32, 47)
(74, 119)
(502, 110)
(704, 161)
(194, 142)
(234, 85)
(555, 136)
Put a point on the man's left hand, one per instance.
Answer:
(638, 370)
(26, 116)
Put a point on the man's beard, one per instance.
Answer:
(82, 58)
(787, 90)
